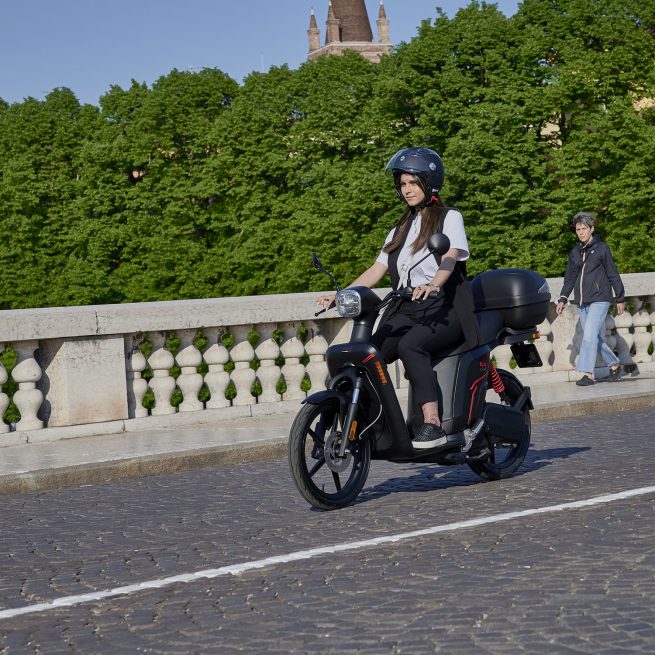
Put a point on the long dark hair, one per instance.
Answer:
(432, 221)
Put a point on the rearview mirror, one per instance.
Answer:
(439, 244)
(317, 263)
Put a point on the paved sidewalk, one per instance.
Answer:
(92, 459)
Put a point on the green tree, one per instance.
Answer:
(593, 61)
(39, 177)
(472, 101)
(297, 173)
(155, 196)
(199, 187)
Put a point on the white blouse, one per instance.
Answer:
(453, 228)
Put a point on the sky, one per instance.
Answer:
(90, 45)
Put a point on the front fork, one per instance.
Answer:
(350, 422)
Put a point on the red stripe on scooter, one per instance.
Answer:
(476, 382)
(474, 389)
(368, 359)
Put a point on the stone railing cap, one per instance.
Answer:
(96, 320)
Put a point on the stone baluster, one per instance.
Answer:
(269, 372)
(610, 337)
(641, 322)
(28, 398)
(242, 353)
(315, 347)
(162, 382)
(563, 329)
(576, 342)
(624, 338)
(188, 358)
(651, 302)
(607, 333)
(136, 385)
(337, 330)
(4, 398)
(503, 356)
(217, 378)
(292, 350)
(544, 347)
(403, 382)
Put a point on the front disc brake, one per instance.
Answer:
(331, 453)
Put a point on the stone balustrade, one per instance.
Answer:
(113, 368)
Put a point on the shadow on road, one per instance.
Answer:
(537, 459)
(422, 477)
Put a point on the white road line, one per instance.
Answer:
(237, 569)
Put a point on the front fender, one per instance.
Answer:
(320, 396)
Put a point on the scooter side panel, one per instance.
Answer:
(462, 385)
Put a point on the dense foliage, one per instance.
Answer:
(200, 187)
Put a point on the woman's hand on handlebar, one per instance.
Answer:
(327, 301)
(422, 291)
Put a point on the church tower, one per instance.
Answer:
(348, 28)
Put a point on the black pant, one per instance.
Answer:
(415, 332)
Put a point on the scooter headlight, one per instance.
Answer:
(349, 303)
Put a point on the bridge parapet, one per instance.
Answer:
(99, 365)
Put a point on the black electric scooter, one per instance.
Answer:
(358, 417)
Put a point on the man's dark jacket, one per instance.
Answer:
(591, 274)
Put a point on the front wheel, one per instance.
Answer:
(324, 479)
(505, 458)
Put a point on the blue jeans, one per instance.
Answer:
(592, 320)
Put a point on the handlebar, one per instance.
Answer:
(400, 294)
(321, 311)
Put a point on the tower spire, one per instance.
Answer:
(353, 20)
(313, 33)
(333, 31)
(383, 25)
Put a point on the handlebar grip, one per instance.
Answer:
(321, 311)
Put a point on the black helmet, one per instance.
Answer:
(422, 162)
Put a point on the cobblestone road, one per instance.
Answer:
(575, 581)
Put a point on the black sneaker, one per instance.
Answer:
(430, 436)
(615, 374)
(585, 381)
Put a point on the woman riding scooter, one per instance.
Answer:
(439, 315)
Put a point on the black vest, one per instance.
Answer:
(457, 290)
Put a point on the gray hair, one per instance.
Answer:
(588, 219)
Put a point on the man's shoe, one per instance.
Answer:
(585, 381)
(615, 374)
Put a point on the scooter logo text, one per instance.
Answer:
(378, 368)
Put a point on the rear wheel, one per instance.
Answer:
(324, 479)
(505, 457)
